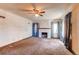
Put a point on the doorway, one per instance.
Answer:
(35, 29)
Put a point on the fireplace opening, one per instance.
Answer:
(44, 34)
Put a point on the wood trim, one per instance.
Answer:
(72, 52)
(2, 17)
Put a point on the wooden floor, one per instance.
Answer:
(35, 46)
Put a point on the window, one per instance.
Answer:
(55, 29)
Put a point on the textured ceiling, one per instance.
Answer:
(53, 10)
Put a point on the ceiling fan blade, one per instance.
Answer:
(42, 12)
(34, 6)
(25, 10)
(41, 15)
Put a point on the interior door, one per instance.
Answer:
(35, 31)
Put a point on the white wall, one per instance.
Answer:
(43, 23)
(13, 28)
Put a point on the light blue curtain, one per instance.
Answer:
(60, 30)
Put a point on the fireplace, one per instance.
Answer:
(44, 34)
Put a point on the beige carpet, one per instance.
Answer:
(35, 46)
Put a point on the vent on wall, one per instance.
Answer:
(2, 17)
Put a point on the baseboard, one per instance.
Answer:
(28, 37)
(15, 41)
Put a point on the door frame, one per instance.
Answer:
(68, 25)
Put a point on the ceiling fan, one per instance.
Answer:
(35, 11)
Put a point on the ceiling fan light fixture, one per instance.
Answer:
(36, 15)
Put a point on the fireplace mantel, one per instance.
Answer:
(47, 30)
(44, 28)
